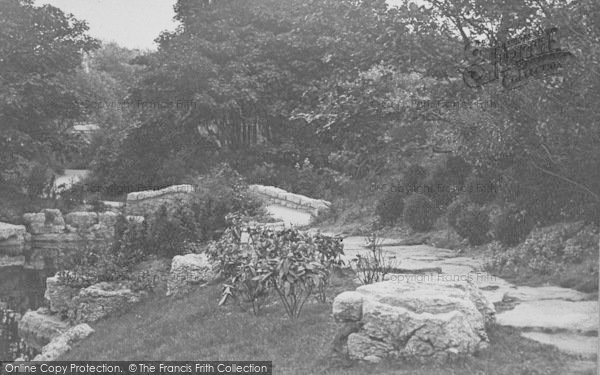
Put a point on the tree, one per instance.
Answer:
(543, 136)
(40, 49)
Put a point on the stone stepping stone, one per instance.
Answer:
(553, 316)
(584, 346)
(525, 293)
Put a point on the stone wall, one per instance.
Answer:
(53, 235)
(48, 234)
(144, 203)
(274, 195)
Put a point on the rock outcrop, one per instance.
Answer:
(60, 296)
(100, 300)
(62, 343)
(38, 328)
(188, 270)
(13, 244)
(421, 320)
(144, 203)
(53, 236)
(48, 221)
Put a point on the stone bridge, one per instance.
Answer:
(279, 197)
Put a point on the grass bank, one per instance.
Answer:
(195, 328)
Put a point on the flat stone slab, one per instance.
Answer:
(553, 316)
(525, 293)
(585, 346)
(417, 258)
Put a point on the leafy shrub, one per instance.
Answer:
(39, 180)
(169, 232)
(565, 254)
(458, 167)
(264, 174)
(246, 286)
(480, 189)
(446, 180)
(454, 209)
(389, 208)
(582, 245)
(512, 226)
(419, 212)
(293, 264)
(413, 177)
(91, 265)
(201, 217)
(471, 222)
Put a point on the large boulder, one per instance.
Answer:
(62, 343)
(420, 320)
(100, 300)
(37, 328)
(188, 270)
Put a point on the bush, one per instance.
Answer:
(413, 177)
(95, 263)
(293, 264)
(389, 208)
(446, 180)
(471, 222)
(373, 266)
(419, 212)
(480, 189)
(91, 265)
(454, 209)
(512, 226)
(39, 180)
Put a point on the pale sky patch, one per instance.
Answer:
(130, 23)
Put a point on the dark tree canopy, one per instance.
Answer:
(40, 49)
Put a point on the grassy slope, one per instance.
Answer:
(195, 328)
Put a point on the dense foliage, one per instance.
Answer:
(295, 265)
(566, 254)
(419, 212)
(471, 222)
(41, 49)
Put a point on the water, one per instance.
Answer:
(20, 290)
